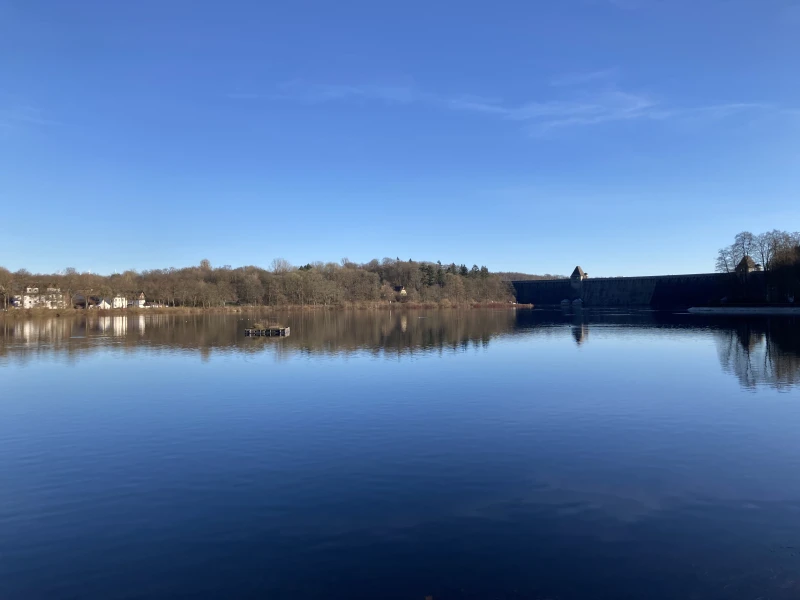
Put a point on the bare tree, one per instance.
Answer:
(5, 285)
(71, 281)
(744, 244)
(764, 249)
(280, 265)
(726, 262)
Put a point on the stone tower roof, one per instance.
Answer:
(746, 265)
(578, 274)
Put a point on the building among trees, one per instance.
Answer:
(747, 265)
(32, 298)
(138, 302)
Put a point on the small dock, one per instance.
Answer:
(268, 332)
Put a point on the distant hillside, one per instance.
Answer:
(510, 276)
(313, 284)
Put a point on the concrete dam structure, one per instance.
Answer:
(660, 291)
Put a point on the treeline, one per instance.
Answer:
(775, 252)
(514, 276)
(315, 284)
(770, 250)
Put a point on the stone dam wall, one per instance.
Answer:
(662, 291)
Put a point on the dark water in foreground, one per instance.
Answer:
(401, 455)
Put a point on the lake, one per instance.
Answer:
(401, 454)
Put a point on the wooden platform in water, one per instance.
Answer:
(268, 332)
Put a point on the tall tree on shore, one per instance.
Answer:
(765, 248)
(744, 244)
(71, 282)
(5, 286)
(280, 265)
(726, 261)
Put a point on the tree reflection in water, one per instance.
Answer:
(757, 351)
(761, 352)
(313, 332)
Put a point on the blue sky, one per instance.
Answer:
(627, 136)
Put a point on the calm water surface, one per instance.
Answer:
(504, 454)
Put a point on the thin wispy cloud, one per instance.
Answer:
(243, 96)
(603, 75)
(316, 93)
(581, 108)
(720, 111)
(597, 108)
(628, 4)
(669, 5)
(11, 117)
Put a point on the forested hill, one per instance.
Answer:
(282, 284)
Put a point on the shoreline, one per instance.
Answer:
(32, 313)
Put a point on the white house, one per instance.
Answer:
(119, 302)
(31, 297)
(103, 303)
(52, 298)
(138, 302)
